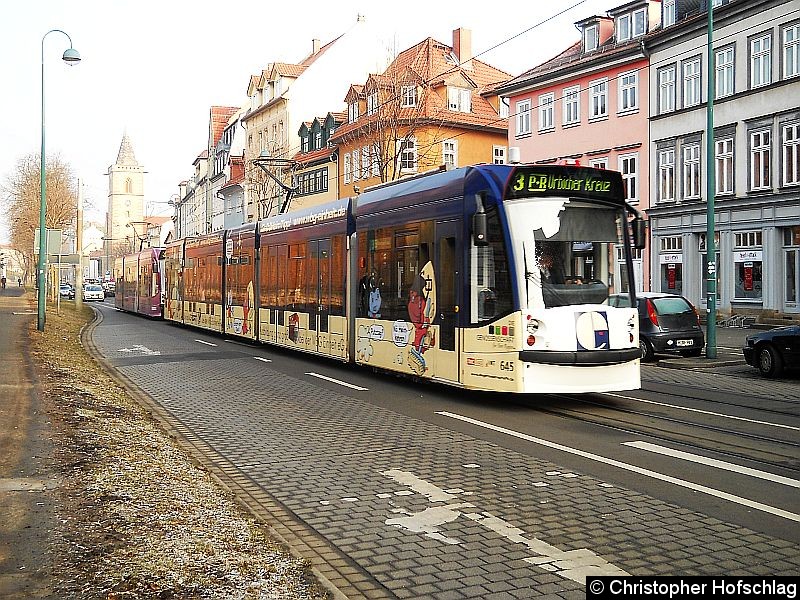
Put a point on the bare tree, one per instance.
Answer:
(22, 203)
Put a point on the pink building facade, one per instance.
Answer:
(589, 104)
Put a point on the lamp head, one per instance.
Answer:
(71, 56)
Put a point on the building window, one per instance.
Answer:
(791, 51)
(671, 244)
(356, 165)
(666, 89)
(504, 108)
(409, 96)
(590, 38)
(352, 112)
(599, 163)
(546, 112)
(407, 150)
(317, 140)
(598, 99)
(723, 77)
(459, 99)
(639, 22)
(691, 82)
(629, 91)
(691, 171)
(372, 103)
(347, 168)
(669, 13)
(623, 28)
(304, 144)
(572, 106)
(523, 117)
(376, 160)
(629, 167)
(666, 175)
(365, 162)
(759, 160)
(499, 155)
(724, 163)
(449, 153)
(791, 154)
(760, 61)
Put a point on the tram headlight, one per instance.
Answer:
(532, 326)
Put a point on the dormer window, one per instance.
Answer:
(317, 140)
(372, 103)
(590, 38)
(669, 13)
(305, 143)
(352, 112)
(623, 28)
(459, 99)
(631, 25)
(409, 96)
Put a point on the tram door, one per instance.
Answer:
(447, 270)
(320, 300)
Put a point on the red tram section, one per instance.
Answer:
(140, 282)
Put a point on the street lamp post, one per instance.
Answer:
(71, 57)
(711, 190)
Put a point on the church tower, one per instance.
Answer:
(125, 200)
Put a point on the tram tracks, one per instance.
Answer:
(750, 440)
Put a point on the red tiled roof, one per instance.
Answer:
(432, 63)
(305, 158)
(218, 121)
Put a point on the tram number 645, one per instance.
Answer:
(506, 365)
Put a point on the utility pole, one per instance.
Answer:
(711, 191)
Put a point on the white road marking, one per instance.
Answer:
(633, 468)
(576, 565)
(263, 359)
(711, 462)
(705, 412)
(139, 349)
(27, 312)
(206, 343)
(332, 380)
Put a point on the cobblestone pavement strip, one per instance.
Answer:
(422, 510)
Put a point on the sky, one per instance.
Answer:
(154, 69)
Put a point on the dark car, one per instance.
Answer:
(773, 350)
(667, 323)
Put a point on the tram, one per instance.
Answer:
(488, 277)
(140, 282)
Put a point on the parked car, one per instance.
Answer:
(93, 291)
(66, 290)
(773, 350)
(109, 287)
(667, 323)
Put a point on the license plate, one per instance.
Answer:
(685, 342)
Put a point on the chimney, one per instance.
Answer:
(462, 46)
(314, 46)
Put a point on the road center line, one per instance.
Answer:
(332, 380)
(633, 468)
(705, 412)
(206, 343)
(263, 359)
(712, 462)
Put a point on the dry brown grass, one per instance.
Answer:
(137, 519)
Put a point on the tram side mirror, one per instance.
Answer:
(639, 227)
(479, 229)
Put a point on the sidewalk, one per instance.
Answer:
(27, 481)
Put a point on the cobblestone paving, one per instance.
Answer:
(432, 513)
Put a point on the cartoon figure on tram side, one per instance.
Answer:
(421, 312)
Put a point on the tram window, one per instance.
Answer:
(490, 280)
(337, 276)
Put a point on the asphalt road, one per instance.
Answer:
(411, 490)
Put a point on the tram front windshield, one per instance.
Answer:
(564, 250)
